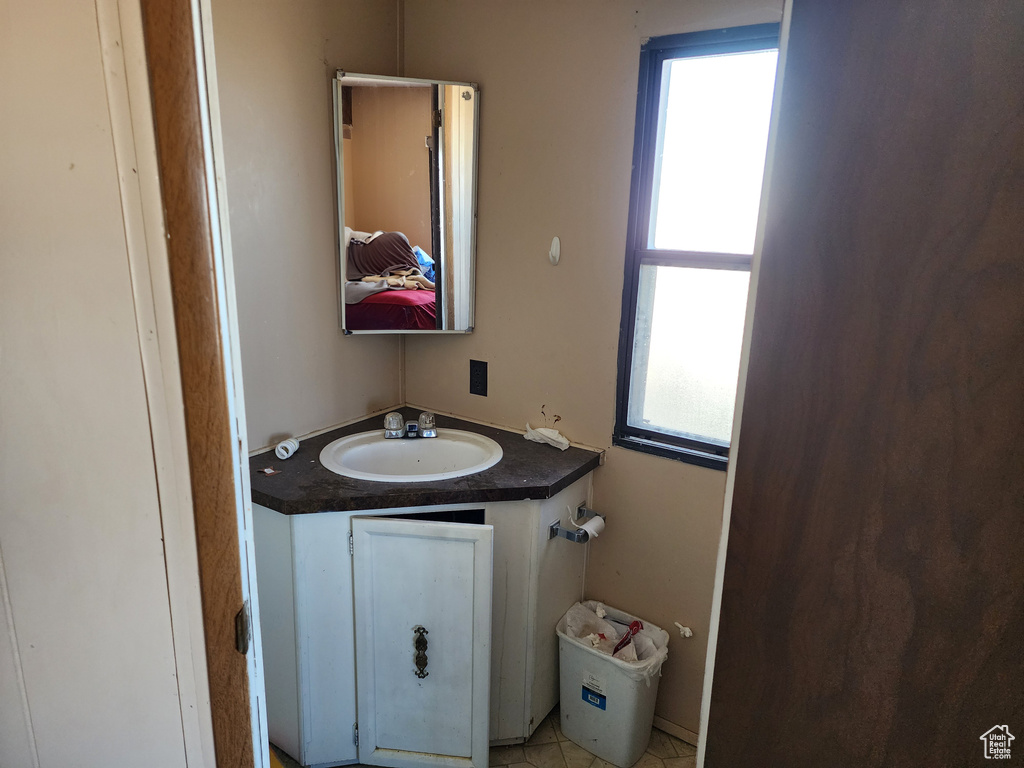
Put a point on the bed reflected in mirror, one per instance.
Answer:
(406, 154)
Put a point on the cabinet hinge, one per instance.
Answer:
(355, 734)
(437, 118)
(351, 543)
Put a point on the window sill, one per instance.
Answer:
(675, 452)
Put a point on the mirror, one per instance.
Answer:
(406, 158)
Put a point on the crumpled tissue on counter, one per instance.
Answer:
(546, 435)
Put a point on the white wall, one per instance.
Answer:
(87, 669)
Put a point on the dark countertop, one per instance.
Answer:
(527, 470)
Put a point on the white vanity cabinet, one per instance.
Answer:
(423, 632)
(308, 618)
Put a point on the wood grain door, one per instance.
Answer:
(213, 405)
(873, 602)
(423, 630)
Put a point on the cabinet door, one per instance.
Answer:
(428, 582)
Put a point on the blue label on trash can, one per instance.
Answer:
(594, 699)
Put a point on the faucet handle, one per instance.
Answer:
(394, 425)
(428, 427)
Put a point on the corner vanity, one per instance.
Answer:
(413, 623)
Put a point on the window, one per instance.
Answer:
(703, 109)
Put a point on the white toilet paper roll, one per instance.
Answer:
(593, 526)
(286, 448)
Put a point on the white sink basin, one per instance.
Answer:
(368, 456)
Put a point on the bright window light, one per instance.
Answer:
(712, 137)
(686, 352)
(702, 135)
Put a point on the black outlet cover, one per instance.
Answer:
(478, 378)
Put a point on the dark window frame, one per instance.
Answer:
(653, 54)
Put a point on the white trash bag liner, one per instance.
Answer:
(641, 659)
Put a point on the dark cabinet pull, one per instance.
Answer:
(419, 642)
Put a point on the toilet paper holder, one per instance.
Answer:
(578, 535)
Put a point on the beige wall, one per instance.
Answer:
(275, 62)
(558, 99)
(390, 161)
(558, 104)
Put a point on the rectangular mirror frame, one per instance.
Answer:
(344, 78)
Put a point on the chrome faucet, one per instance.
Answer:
(427, 427)
(395, 427)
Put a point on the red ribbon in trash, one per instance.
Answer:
(634, 627)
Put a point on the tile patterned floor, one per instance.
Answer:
(548, 748)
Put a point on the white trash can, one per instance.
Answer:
(607, 704)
